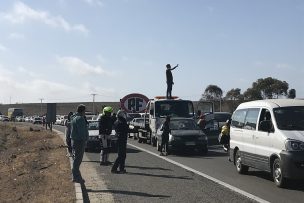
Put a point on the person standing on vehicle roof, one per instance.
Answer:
(121, 129)
(169, 80)
(105, 130)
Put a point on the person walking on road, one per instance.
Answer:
(165, 136)
(68, 135)
(105, 130)
(169, 80)
(225, 135)
(79, 137)
(122, 129)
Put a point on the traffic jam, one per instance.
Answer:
(262, 135)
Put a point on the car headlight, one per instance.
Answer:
(173, 138)
(294, 145)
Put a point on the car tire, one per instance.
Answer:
(240, 168)
(140, 140)
(278, 176)
(135, 136)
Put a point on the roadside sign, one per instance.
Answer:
(51, 113)
(134, 103)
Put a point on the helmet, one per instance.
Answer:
(121, 113)
(107, 109)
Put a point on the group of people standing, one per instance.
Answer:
(121, 127)
(77, 135)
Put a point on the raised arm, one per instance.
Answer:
(174, 67)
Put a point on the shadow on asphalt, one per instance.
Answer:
(210, 154)
(149, 168)
(114, 151)
(132, 150)
(297, 185)
(161, 176)
(142, 194)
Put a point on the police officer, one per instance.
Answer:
(105, 129)
(122, 129)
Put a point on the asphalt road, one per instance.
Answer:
(152, 179)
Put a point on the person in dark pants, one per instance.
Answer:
(169, 80)
(122, 129)
(165, 136)
(68, 134)
(79, 137)
(105, 130)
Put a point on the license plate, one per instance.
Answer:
(190, 143)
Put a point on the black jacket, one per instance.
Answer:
(166, 129)
(105, 125)
(122, 129)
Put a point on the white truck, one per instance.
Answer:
(156, 111)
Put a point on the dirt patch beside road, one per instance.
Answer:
(33, 165)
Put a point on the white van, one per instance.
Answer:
(269, 135)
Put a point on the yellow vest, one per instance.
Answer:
(225, 130)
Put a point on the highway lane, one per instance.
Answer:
(216, 165)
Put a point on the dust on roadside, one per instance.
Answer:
(33, 165)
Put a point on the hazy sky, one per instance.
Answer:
(65, 50)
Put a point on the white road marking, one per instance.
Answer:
(235, 189)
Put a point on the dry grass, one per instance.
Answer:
(33, 166)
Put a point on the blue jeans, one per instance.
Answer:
(78, 146)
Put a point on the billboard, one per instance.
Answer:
(51, 113)
(134, 103)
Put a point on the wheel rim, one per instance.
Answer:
(277, 172)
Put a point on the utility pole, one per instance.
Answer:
(93, 94)
(41, 106)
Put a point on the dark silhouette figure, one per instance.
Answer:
(169, 80)
(68, 134)
(121, 129)
(165, 136)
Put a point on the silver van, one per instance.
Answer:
(269, 135)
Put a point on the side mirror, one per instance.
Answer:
(266, 126)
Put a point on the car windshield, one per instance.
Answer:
(220, 117)
(290, 118)
(174, 108)
(93, 125)
(183, 125)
